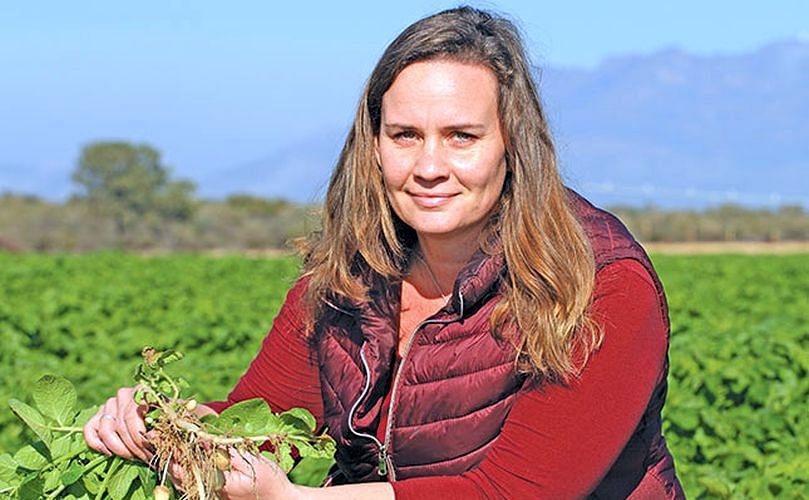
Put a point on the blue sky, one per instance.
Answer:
(215, 85)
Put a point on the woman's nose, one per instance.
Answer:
(431, 163)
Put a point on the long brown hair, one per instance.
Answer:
(550, 267)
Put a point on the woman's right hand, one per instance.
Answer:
(118, 428)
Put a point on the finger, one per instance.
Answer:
(176, 476)
(137, 426)
(150, 436)
(108, 431)
(134, 413)
(128, 440)
(237, 485)
(257, 461)
(249, 464)
(129, 424)
(248, 469)
(91, 437)
(240, 464)
(240, 478)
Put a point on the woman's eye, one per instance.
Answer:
(405, 135)
(462, 137)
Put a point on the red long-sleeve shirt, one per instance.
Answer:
(558, 441)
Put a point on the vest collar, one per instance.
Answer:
(478, 279)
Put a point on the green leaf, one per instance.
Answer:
(67, 446)
(32, 418)
(92, 482)
(311, 471)
(108, 472)
(322, 447)
(32, 488)
(248, 418)
(77, 491)
(282, 455)
(84, 416)
(72, 474)
(687, 420)
(148, 480)
(182, 383)
(142, 373)
(165, 387)
(119, 484)
(138, 494)
(209, 418)
(138, 396)
(52, 479)
(168, 356)
(32, 457)
(717, 487)
(299, 418)
(8, 471)
(55, 397)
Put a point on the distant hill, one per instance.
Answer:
(676, 122)
(298, 172)
(670, 128)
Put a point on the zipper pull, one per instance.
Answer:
(383, 462)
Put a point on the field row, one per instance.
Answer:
(736, 417)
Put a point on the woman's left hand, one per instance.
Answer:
(253, 476)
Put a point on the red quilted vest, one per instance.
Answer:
(456, 383)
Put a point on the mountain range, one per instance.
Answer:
(668, 128)
(680, 124)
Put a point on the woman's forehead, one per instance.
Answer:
(441, 89)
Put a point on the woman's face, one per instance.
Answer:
(441, 149)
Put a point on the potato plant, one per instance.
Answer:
(59, 464)
(735, 418)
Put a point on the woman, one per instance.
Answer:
(465, 326)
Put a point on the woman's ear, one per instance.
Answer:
(376, 152)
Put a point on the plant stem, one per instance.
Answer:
(165, 473)
(114, 465)
(168, 379)
(64, 458)
(67, 429)
(198, 481)
(87, 468)
(195, 429)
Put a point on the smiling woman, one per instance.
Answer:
(441, 149)
(464, 325)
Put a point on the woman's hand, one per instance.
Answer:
(118, 428)
(253, 476)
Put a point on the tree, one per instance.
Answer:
(255, 205)
(129, 182)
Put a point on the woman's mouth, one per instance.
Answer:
(431, 200)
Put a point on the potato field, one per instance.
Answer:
(736, 418)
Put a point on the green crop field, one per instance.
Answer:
(736, 418)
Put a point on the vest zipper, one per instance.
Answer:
(384, 460)
(384, 449)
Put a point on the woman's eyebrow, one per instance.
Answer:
(465, 126)
(454, 126)
(397, 125)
